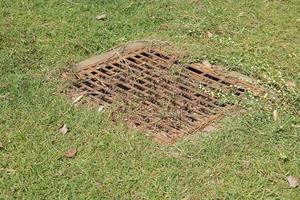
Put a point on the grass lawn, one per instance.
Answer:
(249, 157)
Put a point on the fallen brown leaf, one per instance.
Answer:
(293, 181)
(71, 153)
(295, 126)
(63, 130)
(290, 84)
(206, 63)
(101, 17)
(210, 128)
(77, 99)
(241, 14)
(275, 115)
(101, 109)
(8, 170)
(209, 34)
(1, 145)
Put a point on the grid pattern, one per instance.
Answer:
(157, 94)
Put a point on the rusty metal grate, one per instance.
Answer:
(157, 94)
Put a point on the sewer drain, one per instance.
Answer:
(157, 94)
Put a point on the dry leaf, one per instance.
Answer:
(1, 145)
(275, 115)
(8, 170)
(293, 181)
(209, 34)
(101, 109)
(210, 128)
(77, 99)
(241, 14)
(100, 17)
(63, 130)
(206, 63)
(71, 153)
(290, 84)
(295, 126)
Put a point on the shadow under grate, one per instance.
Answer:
(157, 94)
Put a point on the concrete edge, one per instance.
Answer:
(247, 81)
(112, 54)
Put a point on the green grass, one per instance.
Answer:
(249, 157)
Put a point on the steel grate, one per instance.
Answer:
(157, 94)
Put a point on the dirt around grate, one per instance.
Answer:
(156, 94)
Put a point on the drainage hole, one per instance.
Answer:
(124, 87)
(140, 81)
(211, 77)
(186, 96)
(194, 70)
(133, 60)
(237, 93)
(108, 67)
(137, 123)
(103, 91)
(139, 87)
(192, 119)
(144, 54)
(241, 89)
(225, 83)
(160, 55)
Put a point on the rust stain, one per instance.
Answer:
(159, 95)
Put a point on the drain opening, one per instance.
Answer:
(168, 103)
